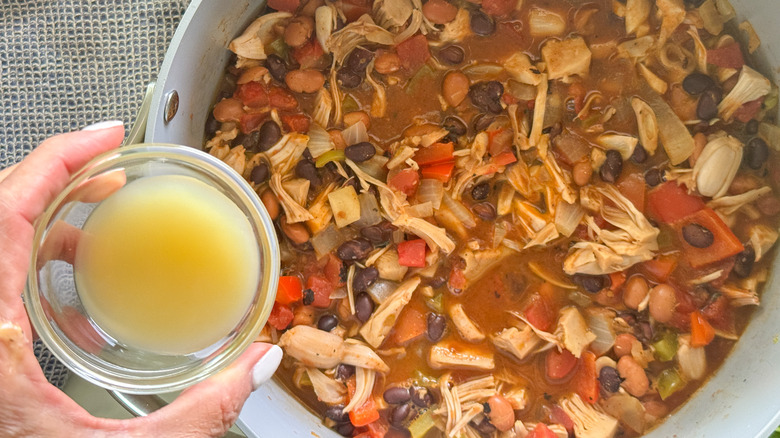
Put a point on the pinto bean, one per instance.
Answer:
(635, 292)
(635, 380)
(387, 63)
(229, 110)
(663, 300)
(304, 81)
(439, 11)
(455, 88)
(357, 116)
(581, 172)
(270, 203)
(298, 31)
(501, 413)
(296, 232)
(623, 344)
(252, 74)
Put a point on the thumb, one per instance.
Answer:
(211, 407)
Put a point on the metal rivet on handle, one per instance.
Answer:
(171, 105)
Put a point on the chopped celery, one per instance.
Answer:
(770, 101)
(327, 157)
(414, 82)
(349, 104)
(421, 379)
(669, 382)
(422, 424)
(435, 303)
(665, 345)
(279, 48)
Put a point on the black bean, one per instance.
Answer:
(592, 283)
(212, 125)
(327, 322)
(697, 83)
(270, 133)
(379, 233)
(360, 152)
(640, 154)
(484, 210)
(345, 429)
(306, 169)
(707, 107)
(437, 281)
(751, 127)
(452, 55)
(610, 379)
(276, 66)
(422, 397)
(697, 235)
(399, 414)
(653, 177)
(348, 78)
(355, 249)
(756, 153)
(335, 413)
(358, 59)
(455, 126)
(308, 297)
(364, 306)
(307, 155)
(436, 326)
(259, 174)
(480, 191)
(743, 265)
(250, 142)
(343, 373)
(481, 23)
(482, 121)
(612, 166)
(364, 278)
(486, 96)
(397, 395)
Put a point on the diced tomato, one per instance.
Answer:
(500, 141)
(290, 290)
(332, 270)
(353, 9)
(364, 414)
(457, 280)
(412, 253)
(508, 99)
(434, 154)
(577, 93)
(296, 122)
(441, 172)
(586, 382)
(252, 121)
(309, 54)
(559, 416)
(504, 158)
(498, 8)
(377, 429)
(322, 289)
(541, 431)
(284, 5)
(540, 313)
(410, 326)
(281, 316)
(724, 244)
(282, 99)
(632, 186)
(559, 365)
(661, 267)
(252, 94)
(728, 56)
(702, 332)
(720, 314)
(413, 52)
(669, 203)
(748, 110)
(617, 279)
(405, 181)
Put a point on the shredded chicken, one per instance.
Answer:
(382, 320)
(573, 331)
(589, 421)
(251, 44)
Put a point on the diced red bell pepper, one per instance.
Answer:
(413, 52)
(284, 5)
(586, 382)
(296, 122)
(724, 244)
(322, 289)
(364, 414)
(616, 280)
(632, 186)
(252, 94)
(441, 172)
(332, 270)
(669, 203)
(410, 326)
(728, 56)
(720, 314)
(377, 429)
(748, 110)
(457, 280)
(702, 332)
(540, 313)
(290, 290)
(405, 181)
(411, 253)
(434, 154)
(280, 98)
(498, 8)
(252, 121)
(559, 365)
(541, 431)
(354, 9)
(661, 267)
(504, 158)
(281, 316)
(309, 54)
(577, 93)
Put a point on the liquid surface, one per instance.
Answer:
(168, 264)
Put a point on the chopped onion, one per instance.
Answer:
(601, 325)
(520, 90)
(319, 141)
(628, 410)
(327, 240)
(483, 71)
(355, 134)
(369, 211)
(381, 289)
(376, 166)
(460, 211)
(568, 217)
(423, 209)
(542, 23)
(675, 137)
(770, 133)
(431, 190)
(499, 233)
(338, 294)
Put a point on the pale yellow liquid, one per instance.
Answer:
(167, 264)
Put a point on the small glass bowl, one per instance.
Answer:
(59, 316)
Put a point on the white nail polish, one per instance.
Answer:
(103, 125)
(266, 366)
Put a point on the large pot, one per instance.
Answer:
(741, 400)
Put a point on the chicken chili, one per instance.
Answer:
(506, 218)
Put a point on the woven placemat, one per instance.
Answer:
(69, 63)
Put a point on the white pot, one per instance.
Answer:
(741, 400)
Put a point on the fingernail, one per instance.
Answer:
(266, 366)
(103, 125)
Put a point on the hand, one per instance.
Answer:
(32, 406)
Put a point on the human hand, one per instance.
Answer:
(32, 406)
